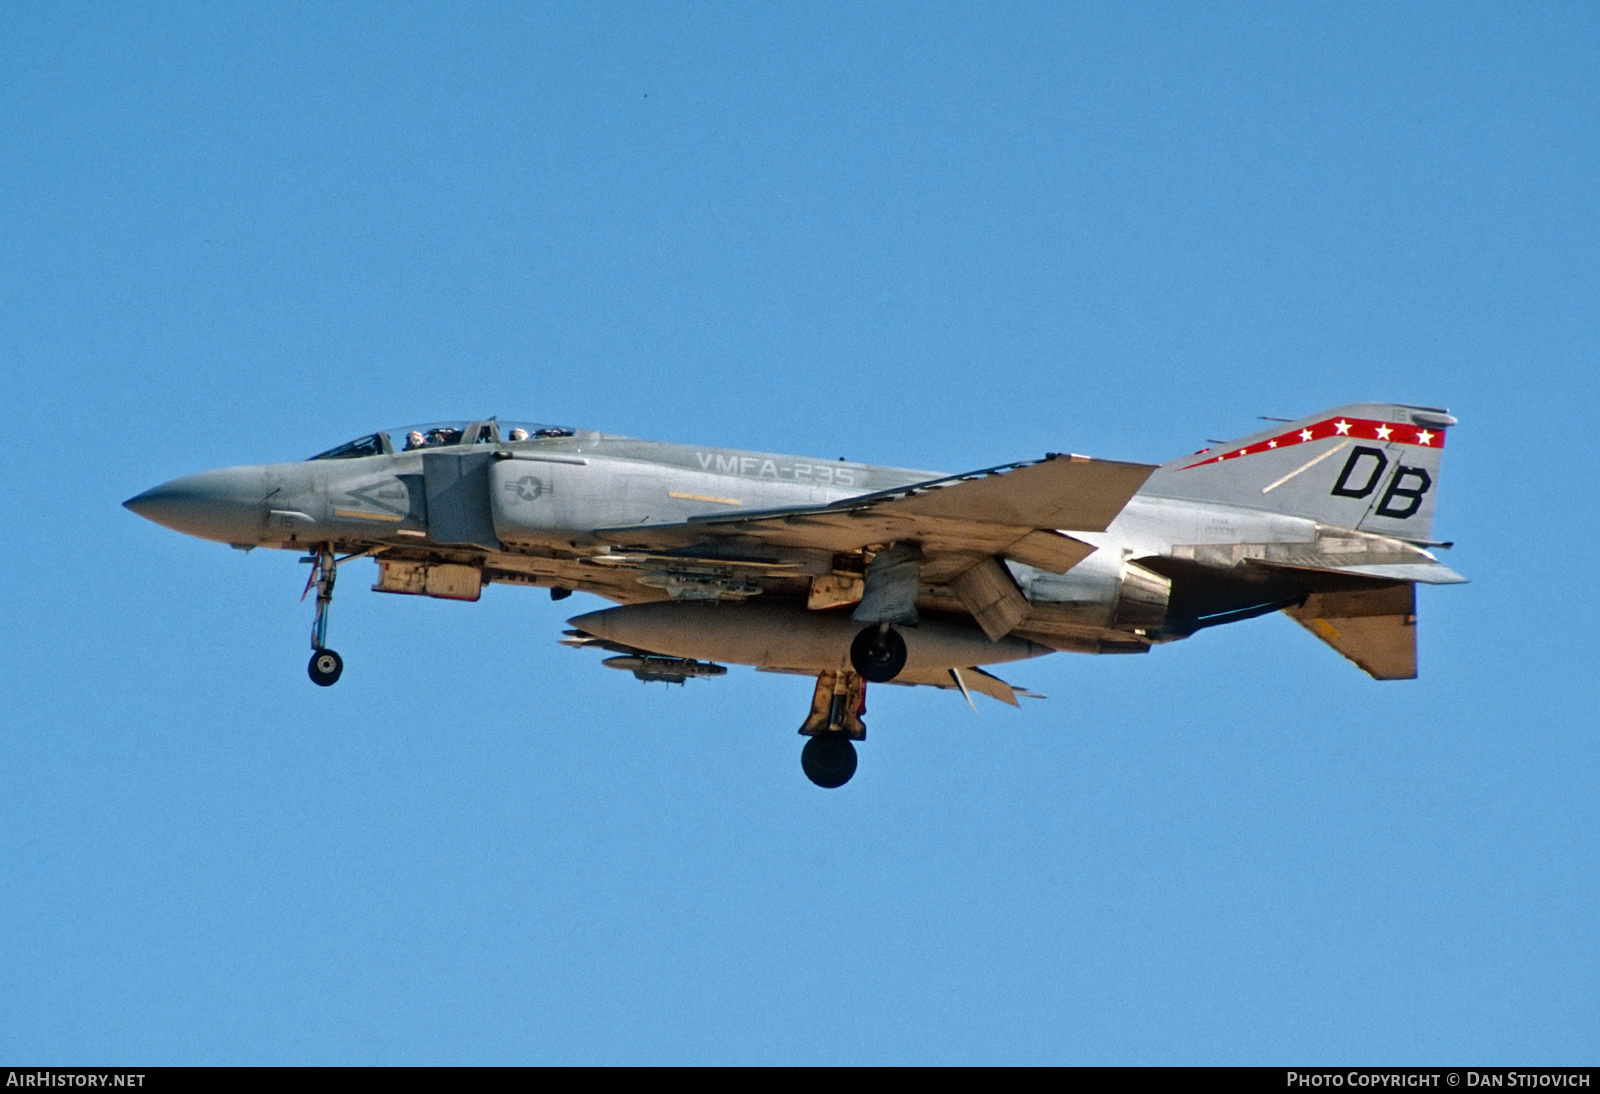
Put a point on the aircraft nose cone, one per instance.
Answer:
(227, 506)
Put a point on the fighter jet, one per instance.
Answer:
(856, 574)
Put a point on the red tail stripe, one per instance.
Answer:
(1362, 429)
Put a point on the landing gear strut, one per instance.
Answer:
(829, 757)
(326, 666)
(878, 653)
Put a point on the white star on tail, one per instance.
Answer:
(1305, 434)
(1342, 426)
(1424, 437)
(1383, 432)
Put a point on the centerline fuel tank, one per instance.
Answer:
(789, 637)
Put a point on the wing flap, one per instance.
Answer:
(1375, 628)
(1048, 550)
(989, 593)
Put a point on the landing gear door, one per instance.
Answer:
(458, 499)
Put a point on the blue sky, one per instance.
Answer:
(923, 235)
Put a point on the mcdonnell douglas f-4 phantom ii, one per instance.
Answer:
(852, 573)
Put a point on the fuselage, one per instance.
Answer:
(446, 509)
(854, 573)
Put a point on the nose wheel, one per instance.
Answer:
(326, 666)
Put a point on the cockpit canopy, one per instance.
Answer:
(410, 438)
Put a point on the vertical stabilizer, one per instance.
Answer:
(1369, 466)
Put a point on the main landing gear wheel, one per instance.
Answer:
(829, 759)
(325, 668)
(878, 654)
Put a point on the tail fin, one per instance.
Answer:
(1369, 466)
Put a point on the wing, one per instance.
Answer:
(1019, 511)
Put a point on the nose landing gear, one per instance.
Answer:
(326, 666)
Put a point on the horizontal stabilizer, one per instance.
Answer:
(1427, 573)
(1335, 551)
(1375, 628)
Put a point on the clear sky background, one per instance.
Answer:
(924, 235)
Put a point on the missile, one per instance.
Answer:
(669, 670)
(788, 637)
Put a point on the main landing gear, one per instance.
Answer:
(878, 653)
(834, 724)
(828, 760)
(829, 757)
(326, 666)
